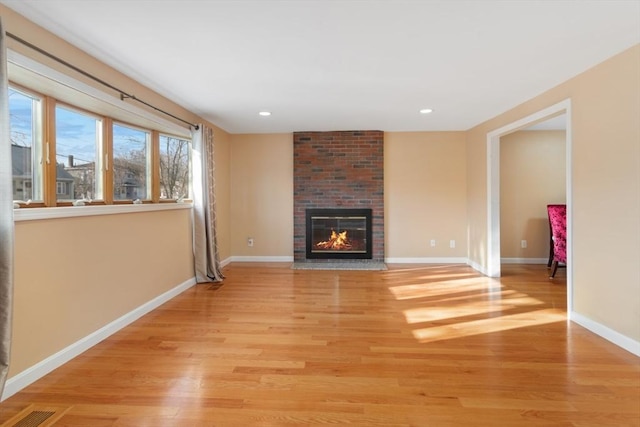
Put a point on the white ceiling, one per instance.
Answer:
(341, 65)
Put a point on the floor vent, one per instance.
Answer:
(33, 416)
(34, 419)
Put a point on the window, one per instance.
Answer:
(71, 142)
(78, 148)
(131, 158)
(25, 121)
(174, 167)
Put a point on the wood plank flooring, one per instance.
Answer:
(417, 345)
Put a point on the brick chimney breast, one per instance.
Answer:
(340, 169)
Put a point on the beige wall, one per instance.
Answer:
(532, 175)
(262, 195)
(16, 24)
(605, 183)
(75, 275)
(25, 29)
(83, 273)
(425, 194)
(435, 188)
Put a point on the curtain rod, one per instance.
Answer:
(123, 95)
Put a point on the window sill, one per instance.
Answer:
(30, 214)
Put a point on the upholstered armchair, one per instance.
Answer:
(558, 230)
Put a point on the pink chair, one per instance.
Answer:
(558, 227)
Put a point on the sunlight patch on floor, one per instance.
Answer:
(430, 313)
(431, 289)
(485, 326)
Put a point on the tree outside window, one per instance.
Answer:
(174, 167)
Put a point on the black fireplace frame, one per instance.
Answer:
(339, 212)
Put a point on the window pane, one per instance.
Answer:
(78, 147)
(26, 146)
(174, 167)
(130, 163)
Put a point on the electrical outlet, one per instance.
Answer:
(250, 241)
(433, 243)
(452, 244)
(523, 244)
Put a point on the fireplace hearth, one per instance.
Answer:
(338, 234)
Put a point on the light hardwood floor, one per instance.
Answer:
(417, 345)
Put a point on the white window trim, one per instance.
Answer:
(31, 214)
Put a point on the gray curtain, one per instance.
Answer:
(6, 218)
(205, 246)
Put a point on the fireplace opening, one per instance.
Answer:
(338, 233)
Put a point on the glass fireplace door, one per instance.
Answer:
(339, 233)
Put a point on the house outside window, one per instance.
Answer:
(78, 153)
(64, 152)
(131, 159)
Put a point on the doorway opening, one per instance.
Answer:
(493, 188)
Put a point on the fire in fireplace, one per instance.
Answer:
(338, 233)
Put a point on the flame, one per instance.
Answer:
(336, 242)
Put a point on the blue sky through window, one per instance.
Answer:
(21, 118)
(76, 135)
(127, 139)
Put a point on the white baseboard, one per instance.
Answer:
(524, 260)
(427, 260)
(42, 368)
(623, 341)
(261, 259)
(477, 267)
(430, 260)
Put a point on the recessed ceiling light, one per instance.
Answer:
(265, 113)
(426, 111)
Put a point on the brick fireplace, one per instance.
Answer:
(338, 170)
